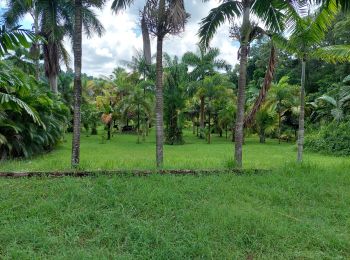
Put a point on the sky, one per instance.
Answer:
(123, 37)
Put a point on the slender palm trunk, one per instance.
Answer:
(193, 125)
(245, 31)
(77, 48)
(53, 83)
(159, 104)
(302, 113)
(138, 123)
(240, 106)
(279, 122)
(201, 123)
(36, 44)
(146, 41)
(209, 136)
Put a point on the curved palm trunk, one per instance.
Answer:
(302, 114)
(264, 89)
(77, 48)
(159, 104)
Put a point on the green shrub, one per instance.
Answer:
(32, 120)
(333, 138)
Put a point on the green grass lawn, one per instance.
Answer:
(299, 212)
(122, 152)
(291, 212)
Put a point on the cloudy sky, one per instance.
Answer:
(123, 37)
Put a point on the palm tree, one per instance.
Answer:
(273, 14)
(205, 62)
(266, 121)
(213, 88)
(282, 96)
(53, 20)
(162, 17)
(304, 43)
(77, 49)
(140, 103)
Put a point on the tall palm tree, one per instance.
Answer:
(79, 6)
(273, 14)
(205, 62)
(304, 43)
(77, 49)
(162, 17)
(53, 20)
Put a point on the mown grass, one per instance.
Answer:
(296, 212)
(291, 212)
(122, 152)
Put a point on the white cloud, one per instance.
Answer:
(123, 37)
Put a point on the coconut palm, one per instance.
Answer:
(304, 42)
(273, 14)
(205, 62)
(162, 17)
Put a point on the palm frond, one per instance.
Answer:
(217, 16)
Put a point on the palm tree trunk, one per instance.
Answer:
(159, 104)
(77, 48)
(240, 106)
(264, 89)
(146, 41)
(36, 44)
(279, 123)
(201, 123)
(302, 113)
(245, 31)
(193, 125)
(53, 83)
(209, 128)
(138, 123)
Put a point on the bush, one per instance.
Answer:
(32, 120)
(333, 138)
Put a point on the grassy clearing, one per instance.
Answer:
(292, 212)
(298, 212)
(122, 152)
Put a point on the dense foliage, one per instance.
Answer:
(31, 119)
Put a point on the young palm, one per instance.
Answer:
(205, 62)
(273, 14)
(304, 42)
(162, 17)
